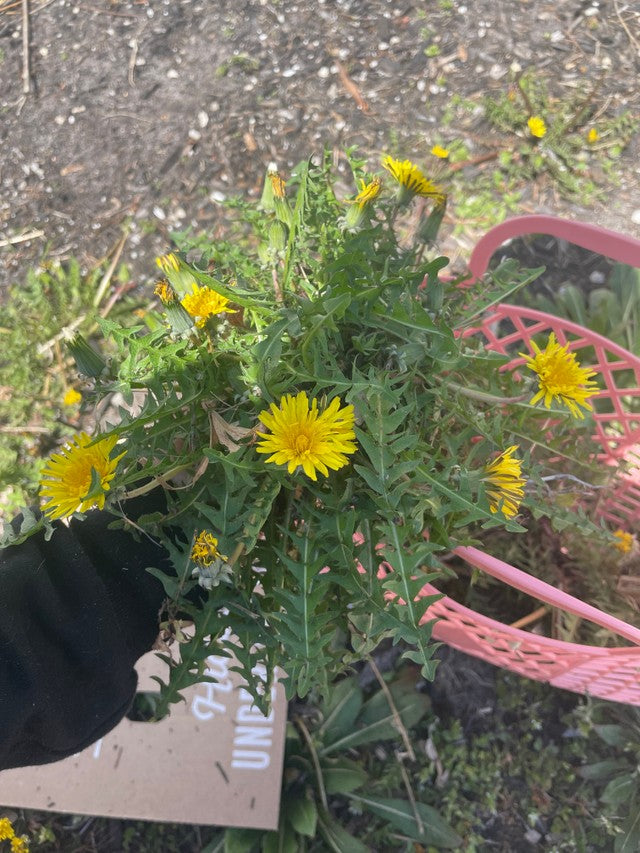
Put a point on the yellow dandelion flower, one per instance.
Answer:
(303, 436)
(205, 549)
(6, 829)
(505, 484)
(412, 181)
(625, 541)
(537, 127)
(205, 302)
(560, 377)
(593, 136)
(19, 845)
(164, 292)
(439, 151)
(168, 263)
(78, 478)
(277, 184)
(368, 192)
(71, 397)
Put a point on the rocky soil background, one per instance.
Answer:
(123, 120)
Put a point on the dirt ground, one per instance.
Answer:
(143, 115)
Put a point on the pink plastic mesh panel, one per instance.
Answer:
(608, 673)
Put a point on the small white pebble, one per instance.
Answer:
(159, 213)
(203, 119)
(635, 217)
(172, 74)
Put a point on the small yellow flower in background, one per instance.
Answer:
(560, 377)
(66, 481)
(6, 829)
(593, 136)
(277, 184)
(505, 488)
(439, 151)
(537, 127)
(71, 397)
(412, 181)
(625, 541)
(167, 263)
(303, 436)
(368, 192)
(205, 302)
(164, 292)
(205, 549)
(19, 845)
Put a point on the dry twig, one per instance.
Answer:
(397, 719)
(21, 238)
(351, 87)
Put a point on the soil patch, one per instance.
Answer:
(144, 115)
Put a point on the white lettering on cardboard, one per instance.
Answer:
(204, 707)
(252, 736)
(259, 734)
(247, 759)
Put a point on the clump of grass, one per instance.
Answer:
(563, 138)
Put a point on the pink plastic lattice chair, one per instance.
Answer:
(609, 673)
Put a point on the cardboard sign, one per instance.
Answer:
(214, 760)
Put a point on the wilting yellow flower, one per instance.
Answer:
(368, 192)
(439, 151)
(625, 541)
(505, 485)
(537, 127)
(19, 845)
(205, 549)
(164, 292)
(77, 479)
(167, 263)
(71, 397)
(277, 184)
(205, 302)
(302, 436)
(6, 829)
(593, 135)
(412, 181)
(560, 377)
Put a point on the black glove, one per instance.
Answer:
(75, 615)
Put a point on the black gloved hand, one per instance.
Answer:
(75, 615)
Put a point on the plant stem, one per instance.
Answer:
(482, 396)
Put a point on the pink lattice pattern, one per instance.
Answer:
(609, 673)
